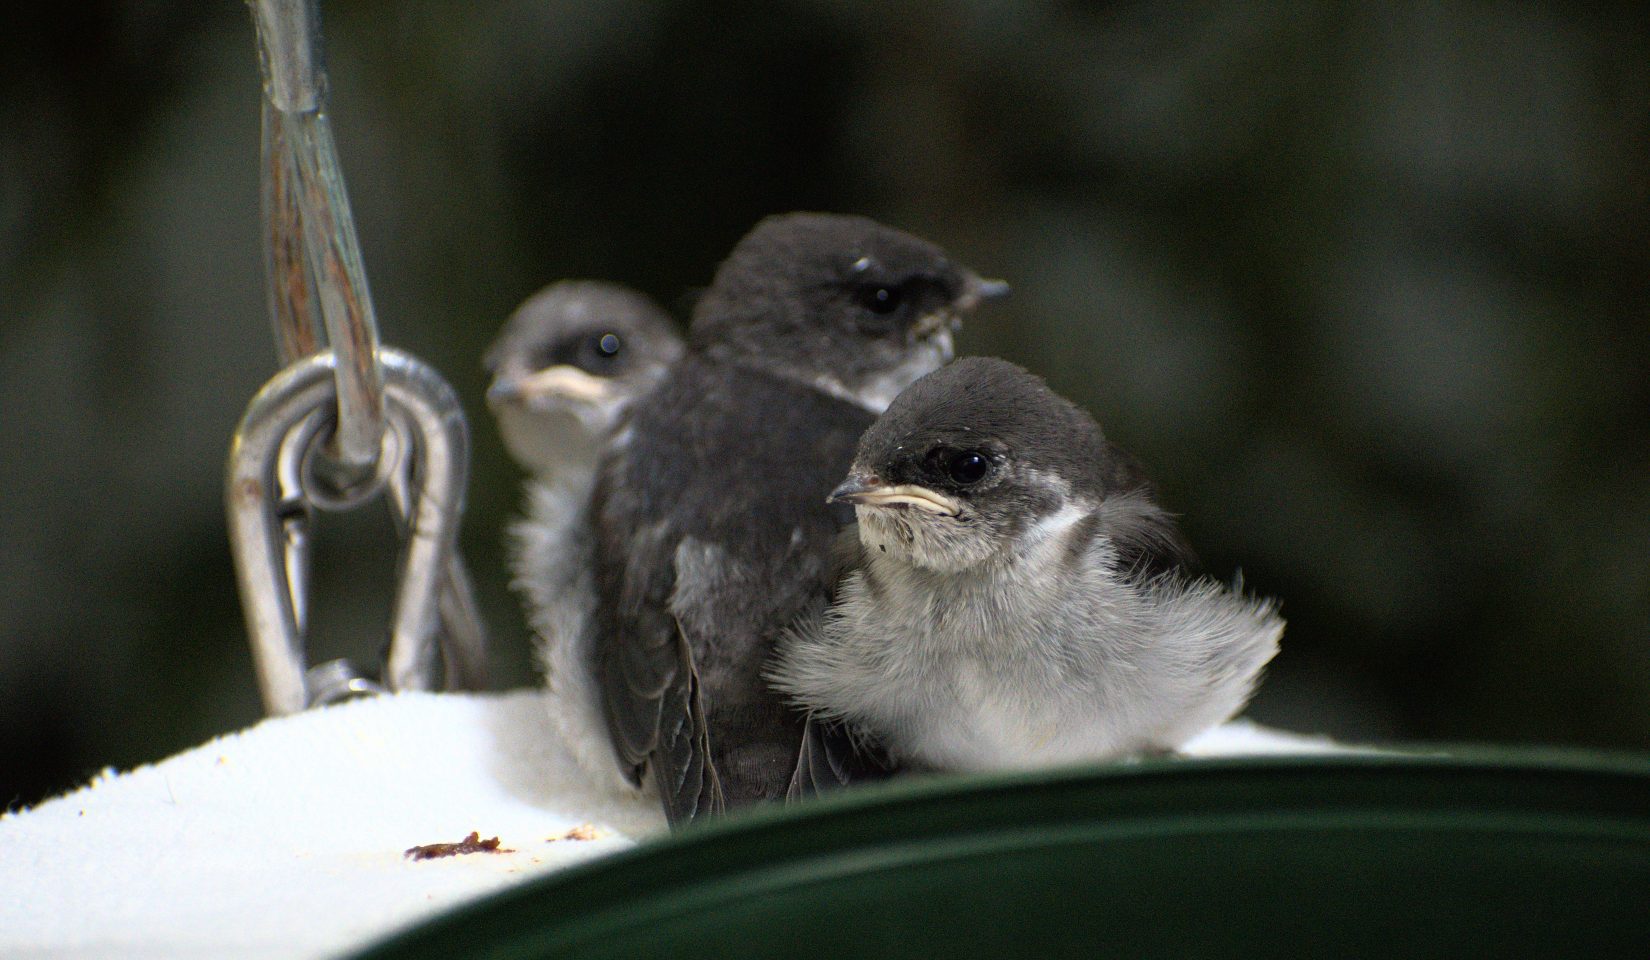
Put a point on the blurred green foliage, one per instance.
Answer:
(1364, 284)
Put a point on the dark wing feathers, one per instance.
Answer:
(650, 689)
(645, 676)
(688, 785)
(834, 756)
(694, 469)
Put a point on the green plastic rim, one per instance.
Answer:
(1505, 854)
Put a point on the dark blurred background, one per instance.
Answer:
(1364, 284)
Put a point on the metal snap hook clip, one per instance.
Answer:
(421, 469)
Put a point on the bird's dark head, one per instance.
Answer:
(980, 459)
(844, 303)
(568, 361)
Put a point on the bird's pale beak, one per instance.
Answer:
(871, 492)
(559, 382)
(978, 290)
(851, 489)
(990, 289)
(949, 318)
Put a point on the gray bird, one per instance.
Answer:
(1013, 597)
(713, 531)
(569, 361)
(566, 364)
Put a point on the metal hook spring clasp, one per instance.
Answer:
(422, 466)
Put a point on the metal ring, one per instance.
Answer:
(323, 485)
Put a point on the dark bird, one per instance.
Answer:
(713, 532)
(569, 361)
(1013, 596)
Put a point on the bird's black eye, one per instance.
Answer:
(967, 466)
(598, 352)
(880, 299)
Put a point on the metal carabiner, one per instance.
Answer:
(422, 464)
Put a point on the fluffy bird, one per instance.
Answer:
(1013, 596)
(568, 362)
(713, 531)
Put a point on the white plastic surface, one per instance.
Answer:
(287, 840)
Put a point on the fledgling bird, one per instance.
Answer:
(569, 361)
(713, 532)
(1013, 596)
